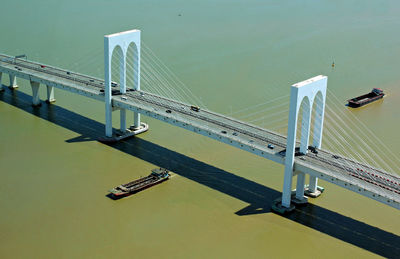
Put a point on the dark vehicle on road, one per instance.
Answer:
(195, 108)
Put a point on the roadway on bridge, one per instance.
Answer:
(326, 165)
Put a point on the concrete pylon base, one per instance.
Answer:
(278, 208)
(296, 201)
(299, 202)
(315, 194)
(133, 128)
(120, 135)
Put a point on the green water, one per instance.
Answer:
(54, 176)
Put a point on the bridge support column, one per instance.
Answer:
(136, 120)
(122, 84)
(13, 81)
(50, 94)
(303, 92)
(122, 115)
(108, 119)
(122, 77)
(1, 85)
(305, 134)
(313, 189)
(121, 42)
(290, 149)
(35, 93)
(107, 100)
(300, 198)
(136, 80)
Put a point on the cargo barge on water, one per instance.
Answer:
(362, 100)
(157, 176)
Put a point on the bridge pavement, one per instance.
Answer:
(363, 179)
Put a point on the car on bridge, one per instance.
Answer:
(195, 108)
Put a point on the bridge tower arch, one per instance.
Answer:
(307, 92)
(121, 41)
(135, 70)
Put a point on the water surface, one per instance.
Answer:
(231, 54)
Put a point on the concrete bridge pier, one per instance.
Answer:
(299, 198)
(313, 190)
(35, 93)
(50, 94)
(122, 115)
(136, 120)
(13, 82)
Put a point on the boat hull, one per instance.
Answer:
(157, 176)
(125, 194)
(356, 104)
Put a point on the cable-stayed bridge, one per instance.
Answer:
(299, 158)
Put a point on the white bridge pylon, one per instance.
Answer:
(121, 42)
(305, 93)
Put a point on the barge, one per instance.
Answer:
(362, 100)
(157, 176)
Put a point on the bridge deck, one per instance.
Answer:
(371, 182)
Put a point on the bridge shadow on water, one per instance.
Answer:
(258, 196)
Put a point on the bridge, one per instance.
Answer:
(300, 158)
